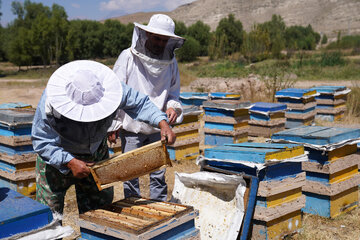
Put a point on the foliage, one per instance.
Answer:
(276, 31)
(228, 36)
(331, 59)
(256, 44)
(117, 37)
(346, 42)
(301, 38)
(324, 39)
(180, 28)
(200, 32)
(189, 51)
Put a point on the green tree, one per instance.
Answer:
(324, 39)
(301, 38)
(180, 28)
(200, 32)
(59, 28)
(117, 37)
(256, 44)
(276, 31)
(230, 30)
(189, 51)
(20, 50)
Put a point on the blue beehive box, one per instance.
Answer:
(280, 183)
(294, 92)
(317, 135)
(17, 157)
(20, 214)
(14, 105)
(193, 98)
(224, 95)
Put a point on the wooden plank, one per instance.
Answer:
(131, 164)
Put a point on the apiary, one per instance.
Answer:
(300, 106)
(17, 157)
(279, 198)
(225, 121)
(138, 218)
(266, 119)
(332, 170)
(331, 102)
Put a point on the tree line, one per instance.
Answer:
(42, 35)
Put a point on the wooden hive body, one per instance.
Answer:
(137, 218)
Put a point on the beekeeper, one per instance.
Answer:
(150, 67)
(77, 111)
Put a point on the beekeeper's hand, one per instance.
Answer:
(166, 133)
(112, 136)
(171, 115)
(79, 169)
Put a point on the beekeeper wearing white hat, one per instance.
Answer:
(150, 67)
(77, 111)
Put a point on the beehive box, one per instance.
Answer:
(131, 164)
(187, 142)
(300, 106)
(17, 157)
(225, 121)
(266, 119)
(331, 175)
(137, 218)
(21, 214)
(193, 98)
(279, 198)
(224, 95)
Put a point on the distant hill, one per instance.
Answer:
(325, 16)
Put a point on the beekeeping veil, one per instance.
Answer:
(159, 24)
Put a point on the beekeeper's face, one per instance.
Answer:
(156, 43)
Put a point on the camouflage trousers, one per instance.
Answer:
(51, 185)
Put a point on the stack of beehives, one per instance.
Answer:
(193, 98)
(332, 176)
(278, 167)
(331, 102)
(187, 135)
(225, 121)
(266, 119)
(17, 158)
(300, 106)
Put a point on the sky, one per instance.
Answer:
(97, 9)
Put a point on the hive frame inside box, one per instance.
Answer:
(162, 221)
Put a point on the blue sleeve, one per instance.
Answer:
(139, 107)
(45, 140)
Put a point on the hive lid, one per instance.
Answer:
(227, 104)
(16, 116)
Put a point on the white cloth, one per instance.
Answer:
(162, 85)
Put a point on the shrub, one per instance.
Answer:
(189, 51)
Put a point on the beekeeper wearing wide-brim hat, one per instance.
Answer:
(78, 110)
(150, 67)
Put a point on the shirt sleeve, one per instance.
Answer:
(174, 94)
(46, 142)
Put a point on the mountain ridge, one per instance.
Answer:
(325, 16)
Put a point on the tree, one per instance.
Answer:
(117, 37)
(200, 32)
(189, 51)
(180, 28)
(276, 31)
(256, 44)
(59, 28)
(324, 39)
(230, 30)
(0, 12)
